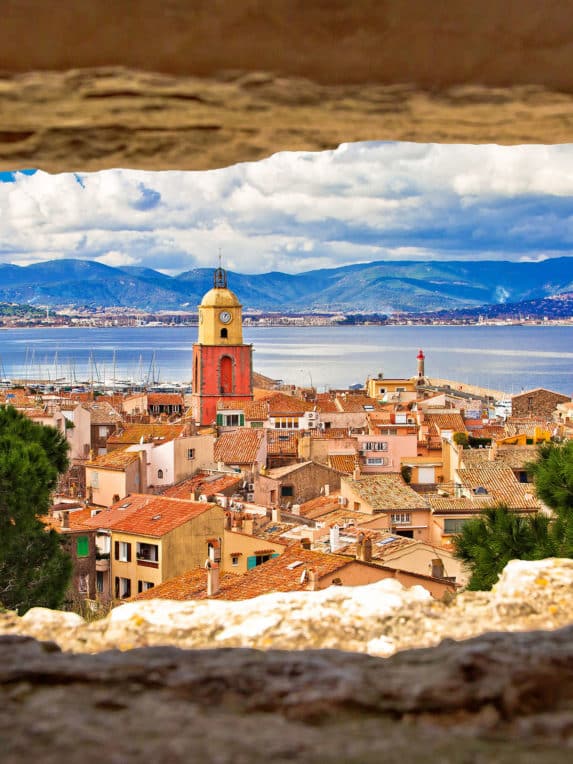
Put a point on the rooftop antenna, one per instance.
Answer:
(220, 278)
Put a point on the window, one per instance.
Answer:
(122, 551)
(401, 518)
(160, 474)
(370, 445)
(287, 490)
(143, 586)
(230, 419)
(286, 423)
(99, 582)
(94, 480)
(234, 560)
(375, 460)
(190, 454)
(224, 334)
(147, 553)
(102, 432)
(83, 583)
(122, 587)
(454, 525)
(82, 546)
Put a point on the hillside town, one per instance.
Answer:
(246, 486)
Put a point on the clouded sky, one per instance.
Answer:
(298, 211)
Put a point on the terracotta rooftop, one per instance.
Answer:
(321, 505)
(282, 442)
(239, 447)
(114, 460)
(499, 482)
(237, 404)
(164, 399)
(102, 412)
(257, 411)
(76, 520)
(330, 433)
(148, 515)
(203, 482)
(281, 403)
(280, 574)
(453, 422)
(343, 462)
(358, 404)
(516, 457)
(133, 433)
(386, 492)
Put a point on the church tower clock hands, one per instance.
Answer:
(222, 363)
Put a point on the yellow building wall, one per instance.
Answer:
(133, 570)
(186, 547)
(244, 545)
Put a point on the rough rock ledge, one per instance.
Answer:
(499, 697)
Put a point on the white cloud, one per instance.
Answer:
(117, 259)
(300, 210)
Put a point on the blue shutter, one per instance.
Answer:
(275, 555)
(251, 562)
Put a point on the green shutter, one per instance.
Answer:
(242, 420)
(219, 420)
(82, 546)
(251, 562)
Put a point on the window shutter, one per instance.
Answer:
(219, 420)
(116, 550)
(82, 546)
(251, 562)
(242, 420)
(128, 552)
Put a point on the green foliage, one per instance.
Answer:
(34, 568)
(406, 472)
(486, 544)
(461, 439)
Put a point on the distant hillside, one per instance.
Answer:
(370, 287)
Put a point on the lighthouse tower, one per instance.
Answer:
(222, 363)
(421, 367)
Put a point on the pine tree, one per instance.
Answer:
(34, 568)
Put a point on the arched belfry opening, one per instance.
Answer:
(226, 375)
(220, 278)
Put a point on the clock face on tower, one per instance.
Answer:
(225, 316)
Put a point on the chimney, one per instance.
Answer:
(312, 580)
(228, 523)
(366, 550)
(248, 524)
(356, 473)
(305, 543)
(359, 543)
(334, 537)
(65, 515)
(276, 514)
(213, 586)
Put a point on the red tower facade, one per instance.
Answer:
(222, 363)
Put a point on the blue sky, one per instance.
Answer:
(297, 211)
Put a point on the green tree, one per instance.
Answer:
(487, 543)
(34, 568)
(553, 477)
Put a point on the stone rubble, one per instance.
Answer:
(379, 619)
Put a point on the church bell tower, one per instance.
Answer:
(222, 363)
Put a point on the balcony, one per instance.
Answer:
(102, 561)
(146, 563)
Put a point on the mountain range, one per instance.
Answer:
(382, 287)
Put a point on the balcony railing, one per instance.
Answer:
(146, 563)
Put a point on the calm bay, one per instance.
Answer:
(509, 358)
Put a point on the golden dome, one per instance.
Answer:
(220, 298)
